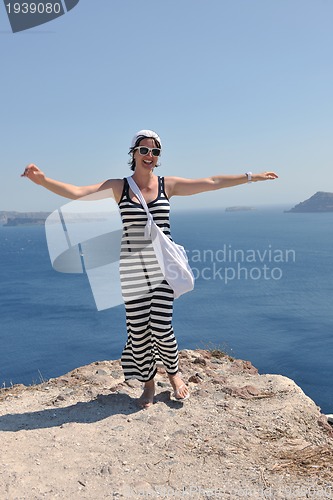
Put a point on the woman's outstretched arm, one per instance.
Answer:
(178, 186)
(71, 191)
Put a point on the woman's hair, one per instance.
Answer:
(137, 143)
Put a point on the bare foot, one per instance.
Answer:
(147, 397)
(181, 392)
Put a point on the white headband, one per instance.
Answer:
(145, 133)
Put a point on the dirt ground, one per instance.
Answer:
(240, 435)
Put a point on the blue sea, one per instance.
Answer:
(264, 293)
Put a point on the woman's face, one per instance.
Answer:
(148, 161)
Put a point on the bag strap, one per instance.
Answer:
(135, 188)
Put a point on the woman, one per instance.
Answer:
(148, 297)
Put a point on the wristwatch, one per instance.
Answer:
(249, 176)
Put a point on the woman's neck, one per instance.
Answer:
(144, 179)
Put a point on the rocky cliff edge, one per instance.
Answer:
(240, 435)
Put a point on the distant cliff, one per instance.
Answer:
(22, 218)
(319, 202)
(239, 209)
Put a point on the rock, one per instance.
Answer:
(163, 384)
(238, 432)
(200, 361)
(219, 380)
(106, 470)
(319, 202)
(141, 489)
(101, 372)
(133, 383)
(240, 366)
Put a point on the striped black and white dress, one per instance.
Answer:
(148, 297)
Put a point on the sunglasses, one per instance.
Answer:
(143, 150)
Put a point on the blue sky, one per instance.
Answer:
(230, 86)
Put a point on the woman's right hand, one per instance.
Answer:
(33, 173)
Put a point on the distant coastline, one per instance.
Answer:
(11, 218)
(318, 203)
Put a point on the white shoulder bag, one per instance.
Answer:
(171, 257)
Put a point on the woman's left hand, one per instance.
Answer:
(265, 176)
